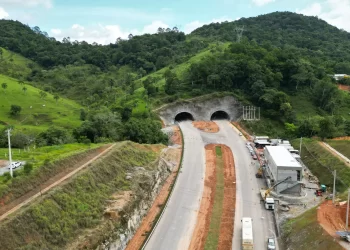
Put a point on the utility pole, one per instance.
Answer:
(301, 141)
(335, 174)
(239, 31)
(10, 154)
(347, 211)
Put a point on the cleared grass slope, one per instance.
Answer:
(341, 146)
(322, 163)
(37, 113)
(15, 65)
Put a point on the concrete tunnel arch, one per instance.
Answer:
(184, 116)
(220, 115)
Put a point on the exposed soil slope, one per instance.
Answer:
(209, 127)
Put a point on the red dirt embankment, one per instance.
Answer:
(203, 219)
(344, 138)
(245, 133)
(332, 218)
(344, 87)
(209, 127)
(147, 222)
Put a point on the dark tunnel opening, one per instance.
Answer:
(184, 116)
(220, 115)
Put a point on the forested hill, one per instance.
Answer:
(285, 29)
(146, 52)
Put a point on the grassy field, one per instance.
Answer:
(37, 114)
(212, 239)
(341, 146)
(15, 65)
(322, 164)
(304, 232)
(37, 156)
(76, 208)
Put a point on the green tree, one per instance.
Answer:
(15, 110)
(56, 97)
(1, 53)
(327, 128)
(24, 89)
(4, 86)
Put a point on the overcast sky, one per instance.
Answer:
(103, 21)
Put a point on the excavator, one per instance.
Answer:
(259, 173)
(270, 202)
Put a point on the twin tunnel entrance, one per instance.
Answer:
(186, 116)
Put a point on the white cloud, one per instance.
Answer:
(56, 31)
(335, 12)
(31, 3)
(262, 2)
(103, 34)
(3, 13)
(189, 27)
(153, 27)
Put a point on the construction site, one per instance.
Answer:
(291, 188)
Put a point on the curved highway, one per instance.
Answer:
(176, 226)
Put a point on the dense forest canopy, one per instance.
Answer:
(281, 55)
(314, 36)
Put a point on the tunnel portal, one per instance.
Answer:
(220, 115)
(184, 116)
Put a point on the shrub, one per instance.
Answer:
(15, 110)
(28, 167)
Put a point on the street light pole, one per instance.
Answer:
(10, 154)
(335, 174)
(301, 141)
(347, 211)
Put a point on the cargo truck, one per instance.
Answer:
(247, 233)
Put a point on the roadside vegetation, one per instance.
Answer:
(61, 216)
(304, 232)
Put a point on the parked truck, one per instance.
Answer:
(247, 233)
(269, 202)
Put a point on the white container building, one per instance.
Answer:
(280, 165)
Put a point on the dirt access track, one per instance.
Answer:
(13, 206)
(226, 228)
(334, 153)
(209, 127)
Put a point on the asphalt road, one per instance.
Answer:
(247, 194)
(176, 226)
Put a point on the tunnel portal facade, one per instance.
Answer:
(227, 108)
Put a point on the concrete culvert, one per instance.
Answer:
(184, 116)
(220, 115)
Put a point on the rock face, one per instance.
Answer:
(138, 208)
(202, 110)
